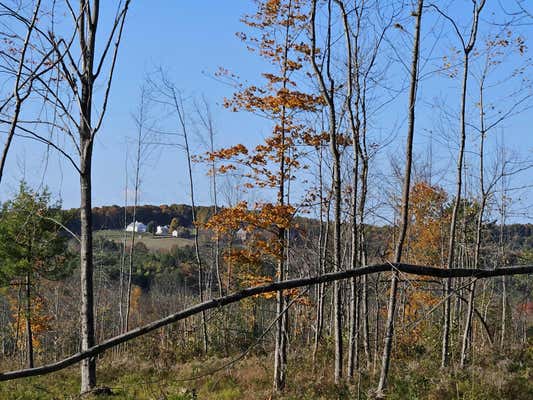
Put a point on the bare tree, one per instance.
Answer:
(355, 124)
(144, 143)
(206, 119)
(171, 97)
(323, 240)
(327, 88)
(502, 251)
(79, 70)
(361, 60)
(487, 122)
(124, 247)
(467, 47)
(389, 333)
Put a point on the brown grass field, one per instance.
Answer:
(153, 243)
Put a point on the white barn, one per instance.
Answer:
(161, 230)
(139, 227)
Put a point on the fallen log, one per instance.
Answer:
(257, 290)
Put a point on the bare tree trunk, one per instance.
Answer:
(503, 258)
(328, 93)
(88, 365)
(215, 202)
(141, 119)
(503, 327)
(79, 75)
(134, 221)
(362, 234)
(258, 290)
(467, 48)
(86, 26)
(389, 333)
(181, 115)
(468, 325)
(123, 251)
(322, 254)
(366, 324)
(206, 119)
(455, 211)
(29, 336)
(355, 124)
(362, 242)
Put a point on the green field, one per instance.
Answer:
(153, 243)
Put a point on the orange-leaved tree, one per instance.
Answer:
(426, 245)
(273, 32)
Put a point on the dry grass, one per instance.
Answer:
(493, 377)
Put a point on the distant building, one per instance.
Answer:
(136, 226)
(241, 234)
(174, 233)
(161, 230)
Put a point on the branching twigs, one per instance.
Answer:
(254, 291)
(19, 99)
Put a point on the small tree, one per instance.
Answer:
(151, 227)
(31, 247)
(275, 35)
(174, 224)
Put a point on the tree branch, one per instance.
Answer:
(254, 291)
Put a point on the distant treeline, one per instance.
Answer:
(516, 236)
(112, 217)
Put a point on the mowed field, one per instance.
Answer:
(153, 243)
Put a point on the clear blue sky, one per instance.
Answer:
(191, 39)
(188, 39)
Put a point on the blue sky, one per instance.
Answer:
(191, 39)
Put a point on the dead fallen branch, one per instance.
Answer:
(257, 290)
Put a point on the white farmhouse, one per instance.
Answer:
(139, 227)
(174, 233)
(161, 230)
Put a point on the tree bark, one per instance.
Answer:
(88, 366)
(29, 335)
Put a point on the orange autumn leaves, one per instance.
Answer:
(275, 34)
(40, 320)
(262, 247)
(426, 242)
(261, 224)
(254, 98)
(429, 224)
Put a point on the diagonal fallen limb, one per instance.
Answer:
(257, 290)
